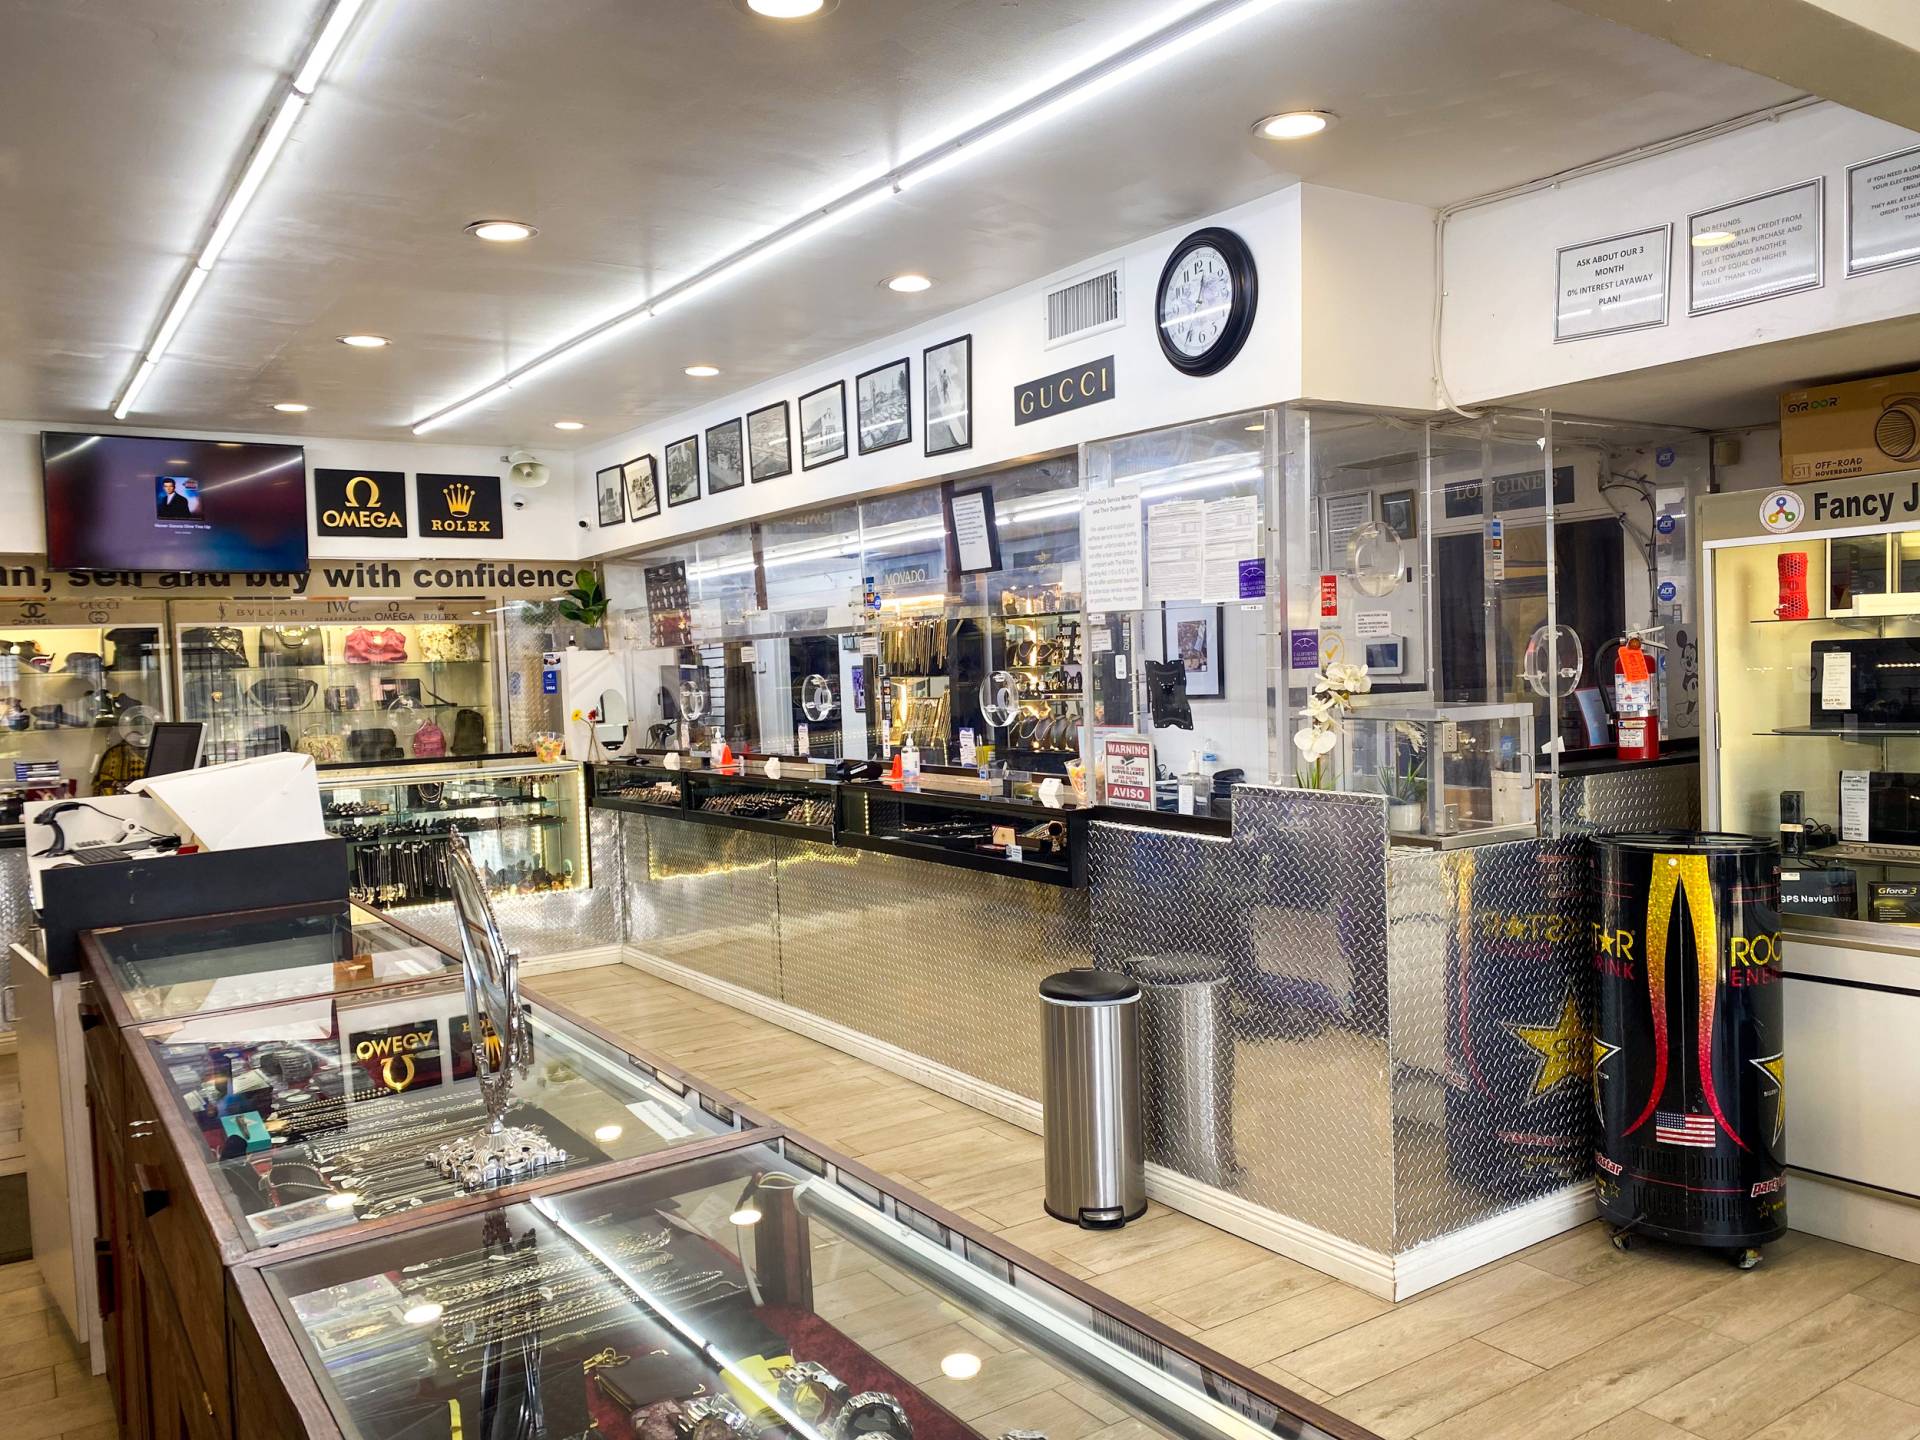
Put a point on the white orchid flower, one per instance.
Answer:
(1312, 741)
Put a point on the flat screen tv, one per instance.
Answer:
(135, 502)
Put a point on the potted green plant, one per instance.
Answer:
(586, 606)
(1403, 780)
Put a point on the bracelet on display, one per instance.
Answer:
(714, 1417)
(809, 1389)
(873, 1412)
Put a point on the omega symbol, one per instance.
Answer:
(372, 502)
(397, 1071)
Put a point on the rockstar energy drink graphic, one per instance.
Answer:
(1687, 1064)
(395, 1059)
(1518, 1039)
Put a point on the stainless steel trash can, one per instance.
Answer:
(1090, 1094)
(1186, 1044)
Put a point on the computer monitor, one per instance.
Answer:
(174, 746)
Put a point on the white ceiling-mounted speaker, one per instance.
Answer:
(525, 470)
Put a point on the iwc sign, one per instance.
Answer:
(1086, 384)
(460, 507)
(360, 502)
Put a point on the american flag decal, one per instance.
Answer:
(1670, 1127)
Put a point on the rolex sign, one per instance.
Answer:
(460, 507)
(360, 502)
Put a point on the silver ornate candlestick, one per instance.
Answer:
(502, 1039)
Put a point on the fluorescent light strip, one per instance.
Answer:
(273, 138)
(1195, 27)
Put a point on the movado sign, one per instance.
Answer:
(460, 507)
(360, 502)
(1086, 384)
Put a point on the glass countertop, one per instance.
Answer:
(317, 1114)
(722, 1298)
(197, 966)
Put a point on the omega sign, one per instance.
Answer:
(360, 502)
(1086, 384)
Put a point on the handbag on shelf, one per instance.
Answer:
(452, 642)
(268, 740)
(213, 647)
(469, 733)
(286, 646)
(135, 647)
(324, 746)
(342, 698)
(27, 652)
(430, 741)
(375, 744)
(82, 662)
(375, 647)
(283, 692)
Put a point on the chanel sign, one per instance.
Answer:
(1086, 384)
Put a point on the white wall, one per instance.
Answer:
(1008, 338)
(1366, 297)
(546, 530)
(1500, 265)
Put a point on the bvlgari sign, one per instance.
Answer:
(360, 502)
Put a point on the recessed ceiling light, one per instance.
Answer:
(787, 9)
(1707, 239)
(569, 424)
(366, 342)
(501, 232)
(291, 407)
(703, 372)
(1294, 124)
(961, 1365)
(909, 284)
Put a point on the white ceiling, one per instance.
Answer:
(648, 139)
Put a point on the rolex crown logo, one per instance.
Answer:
(459, 498)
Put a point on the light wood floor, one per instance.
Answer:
(1568, 1339)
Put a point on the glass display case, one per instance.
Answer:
(1452, 772)
(525, 821)
(766, 1290)
(637, 785)
(171, 969)
(795, 804)
(1021, 837)
(403, 679)
(81, 685)
(321, 1113)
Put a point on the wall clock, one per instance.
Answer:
(1205, 302)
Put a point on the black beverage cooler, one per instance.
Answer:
(1689, 1076)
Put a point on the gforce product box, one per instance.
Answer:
(1855, 427)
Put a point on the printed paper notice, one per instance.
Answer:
(1373, 624)
(1769, 245)
(1176, 549)
(973, 532)
(1619, 283)
(1110, 549)
(1853, 804)
(1345, 514)
(1836, 680)
(1232, 538)
(1883, 208)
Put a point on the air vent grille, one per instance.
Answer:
(1085, 306)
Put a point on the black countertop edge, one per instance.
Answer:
(447, 759)
(1609, 763)
(13, 837)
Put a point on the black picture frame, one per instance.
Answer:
(1399, 509)
(860, 398)
(726, 457)
(610, 488)
(780, 463)
(1246, 301)
(939, 433)
(838, 387)
(642, 477)
(1209, 680)
(687, 452)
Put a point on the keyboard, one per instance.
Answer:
(106, 854)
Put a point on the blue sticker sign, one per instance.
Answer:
(1306, 650)
(1668, 591)
(549, 682)
(1666, 524)
(1663, 457)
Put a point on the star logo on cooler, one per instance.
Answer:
(1781, 512)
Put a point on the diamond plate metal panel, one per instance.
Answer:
(706, 900)
(16, 923)
(1641, 797)
(941, 961)
(1490, 1036)
(1294, 908)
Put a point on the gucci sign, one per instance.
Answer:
(1086, 384)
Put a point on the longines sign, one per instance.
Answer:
(1086, 384)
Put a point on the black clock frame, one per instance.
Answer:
(1246, 298)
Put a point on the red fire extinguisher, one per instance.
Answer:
(1636, 721)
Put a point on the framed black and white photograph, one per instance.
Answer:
(823, 426)
(683, 471)
(613, 495)
(643, 488)
(948, 372)
(769, 442)
(726, 458)
(884, 407)
(1191, 635)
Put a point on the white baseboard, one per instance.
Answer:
(1437, 1261)
(1854, 1215)
(586, 959)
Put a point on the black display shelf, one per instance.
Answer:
(821, 834)
(1039, 871)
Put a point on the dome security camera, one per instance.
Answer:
(519, 502)
(584, 525)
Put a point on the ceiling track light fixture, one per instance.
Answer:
(282, 114)
(1194, 25)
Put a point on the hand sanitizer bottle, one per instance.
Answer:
(910, 764)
